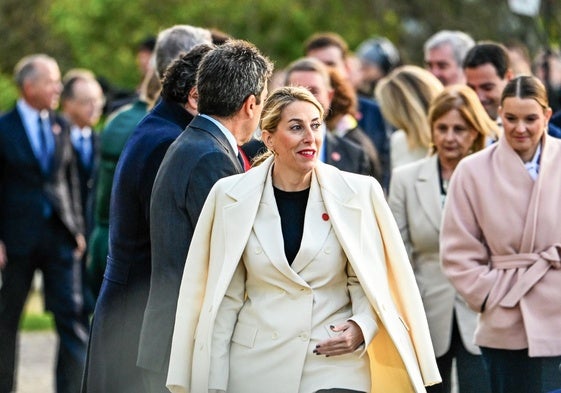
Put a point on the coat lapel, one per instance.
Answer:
(316, 228)
(268, 230)
(538, 198)
(345, 218)
(425, 185)
(22, 140)
(510, 162)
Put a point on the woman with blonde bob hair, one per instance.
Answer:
(459, 126)
(404, 97)
(298, 280)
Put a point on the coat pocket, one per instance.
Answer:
(244, 335)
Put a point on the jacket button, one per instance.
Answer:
(304, 336)
(275, 335)
(258, 250)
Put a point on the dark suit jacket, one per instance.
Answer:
(374, 125)
(24, 188)
(346, 155)
(556, 119)
(112, 141)
(111, 364)
(359, 137)
(196, 160)
(86, 175)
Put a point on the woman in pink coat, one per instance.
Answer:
(501, 243)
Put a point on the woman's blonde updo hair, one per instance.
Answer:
(465, 101)
(280, 99)
(274, 106)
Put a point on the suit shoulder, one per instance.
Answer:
(358, 179)
(409, 168)
(9, 117)
(481, 158)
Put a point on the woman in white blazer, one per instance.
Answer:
(459, 125)
(297, 279)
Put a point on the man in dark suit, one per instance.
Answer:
(40, 221)
(112, 352)
(232, 86)
(82, 104)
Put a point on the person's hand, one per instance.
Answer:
(3, 255)
(348, 339)
(80, 246)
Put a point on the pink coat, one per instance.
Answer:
(501, 246)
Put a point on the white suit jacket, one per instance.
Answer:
(416, 203)
(275, 313)
(401, 354)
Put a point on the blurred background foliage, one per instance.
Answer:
(102, 35)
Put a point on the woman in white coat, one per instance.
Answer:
(296, 278)
(459, 125)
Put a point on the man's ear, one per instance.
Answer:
(249, 106)
(193, 99)
(331, 94)
(509, 74)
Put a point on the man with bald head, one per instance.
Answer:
(41, 225)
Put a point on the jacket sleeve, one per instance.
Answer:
(191, 294)
(397, 200)
(224, 328)
(404, 290)
(363, 314)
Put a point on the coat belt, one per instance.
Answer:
(537, 263)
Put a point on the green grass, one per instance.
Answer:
(35, 322)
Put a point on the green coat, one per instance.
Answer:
(113, 140)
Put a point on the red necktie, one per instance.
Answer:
(244, 160)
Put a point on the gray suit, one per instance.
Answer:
(194, 162)
(416, 203)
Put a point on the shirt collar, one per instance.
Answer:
(227, 133)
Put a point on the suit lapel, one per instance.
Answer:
(345, 218)
(202, 124)
(316, 228)
(58, 145)
(268, 230)
(427, 188)
(22, 140)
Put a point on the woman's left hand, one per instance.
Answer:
(348, 339)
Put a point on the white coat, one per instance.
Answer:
(401, 355)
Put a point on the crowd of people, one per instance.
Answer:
(350, 223)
